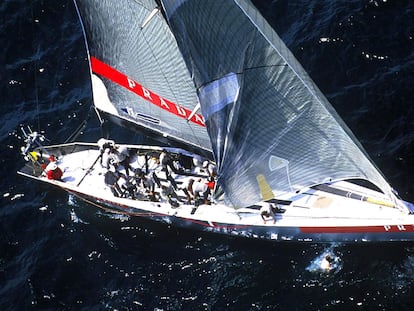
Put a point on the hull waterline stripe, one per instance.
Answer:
(102, 69)
(306, 230)
(359, 229)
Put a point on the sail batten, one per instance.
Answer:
(150, 16)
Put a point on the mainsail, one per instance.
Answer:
(268, 122)
(138, 74)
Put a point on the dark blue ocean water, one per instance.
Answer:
(57, 253)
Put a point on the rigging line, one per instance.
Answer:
(243, 71)
(37, 97)
(37, 53)
(263, 66)
(80, 128)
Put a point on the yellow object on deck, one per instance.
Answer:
(33, 156)
(265, 190)
(379, 202)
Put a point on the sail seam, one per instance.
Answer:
(310, 86)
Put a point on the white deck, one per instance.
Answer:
(309, 208)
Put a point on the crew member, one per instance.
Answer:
(267, 212)
(199, 188)
(167, 165)
(52, 171)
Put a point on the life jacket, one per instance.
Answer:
(211, 184)
(55, 174)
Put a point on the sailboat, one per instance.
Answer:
(238, 115)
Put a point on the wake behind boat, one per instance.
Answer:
(217, 82)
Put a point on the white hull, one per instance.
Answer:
(312, 216)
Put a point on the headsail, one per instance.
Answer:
(267, 120)
(138, 73)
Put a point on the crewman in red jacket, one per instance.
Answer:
(52, 170)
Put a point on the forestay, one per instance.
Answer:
(137, 70)
(268, 121)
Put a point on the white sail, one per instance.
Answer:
(260, 105)
(133, 52)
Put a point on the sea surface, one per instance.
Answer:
(57, 253)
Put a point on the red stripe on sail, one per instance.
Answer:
(121, 79)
